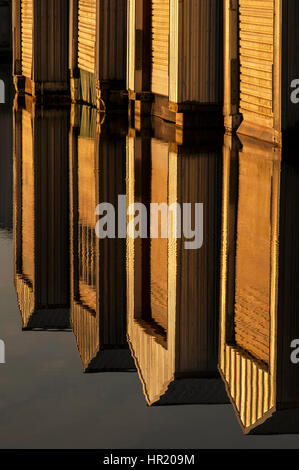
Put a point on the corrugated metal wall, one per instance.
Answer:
(250, 386)
(154, 361)
(200, 45)
(199, 180)
(256, 54)
(87, 198)
(191, 344)
(131, 47)
(51, 41)
(44, 40)
(112, 183)
(160, 46)
(87, 16)
(86, 330)
(26, 35)
(159, 246)
(112, 40)
(51, 209)
(28, 189)
(41, 223)
(249, 269)
(98, 266)
(253, 283)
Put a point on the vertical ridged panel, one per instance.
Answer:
(113, 40)
(87, 34)
(86, 221)
(198, 285)
(256, 49)
(112, 261)
(159, 247)
(201, 64)
(249, 386)
(154, 362)
(26, 35)
(98, 310)
(50, 43)
(42, 224)
(28, 233)
(131, 47)
(51, 210)
(160, 46)
(252, 286)
(86, 330)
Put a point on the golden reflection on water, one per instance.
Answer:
(41, 217)
(175, 343)
(98, 267)
(151, 304)
(259, 304)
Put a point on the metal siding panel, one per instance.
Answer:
(256, 55)
(201, 52)
(113, 40)
(26, 36)
(160, 46)
(131, 26)
(87, 34)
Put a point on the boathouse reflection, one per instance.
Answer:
(41, 222)
(259, 277)
(6, 139)
(98, 266)
(173, 292)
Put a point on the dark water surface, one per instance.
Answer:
(52, 264)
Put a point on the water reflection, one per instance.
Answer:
(259, 275)
(98, 267)
(173, 292)
(6, 140)
(41, 215)
(150, 304)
